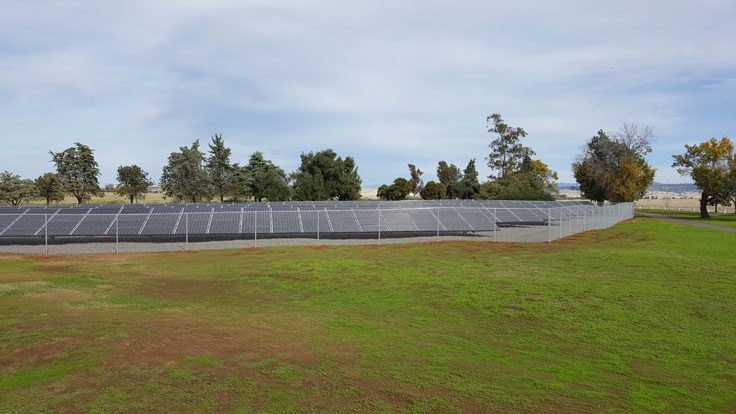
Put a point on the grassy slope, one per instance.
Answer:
(720, 219)
(635, 318)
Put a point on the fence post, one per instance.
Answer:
(549, 225)
(569, 221)
(379, 224)
(255, 228)
(495, 225)
(318, 218)
(560, 222)
(438, 224)
(117, 248)
(46, 233)
(186, 231)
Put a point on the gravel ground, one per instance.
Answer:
(508, 234)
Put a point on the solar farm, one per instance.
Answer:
(336, 220)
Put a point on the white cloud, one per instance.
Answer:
(388, 82)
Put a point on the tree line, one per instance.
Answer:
(192, 175)
(611, 166)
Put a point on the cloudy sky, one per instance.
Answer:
(388, 82)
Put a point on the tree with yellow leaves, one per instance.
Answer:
(711, 165)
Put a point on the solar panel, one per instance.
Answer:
(25, 225)
(477, 219)
(344, 221)
(228, 222)
(196, 223)
(314, 220)
(368, 220)
(452, 221)
(398, 220)
(6, 220)
(161, 223)
(94, 225)
(128, 225)
(284, 217)
(425, 219)
(62, 224)
(286, 222)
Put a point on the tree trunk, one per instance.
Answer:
(131, 199)
(704, 206)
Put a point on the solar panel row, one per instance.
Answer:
(278, 218)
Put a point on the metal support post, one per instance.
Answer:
(117, 237)
(549, 225)
(438, 224)
(317, 227)
(255, 228)
(46, 232)
(379, 225)
(560, 222)
(569, 221)
(495, 225)
(186, 231)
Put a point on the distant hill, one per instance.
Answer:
(674, 188)
(670, 188)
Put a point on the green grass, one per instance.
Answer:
(717, 219)
(636, 318)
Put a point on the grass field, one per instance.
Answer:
(636, 318)
(716, 219)
(108, 197)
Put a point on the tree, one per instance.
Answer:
(507, 153)
(731, 184)
(469, 185)
(325, 176)
(238, 187)
(433, 191)
(218, 167)
(710, 165)
(184, 177)
(78, 171)
(416, 179)
(265, 180)
(614, 167)
(14, 189)
(449, 176)
(533, 181)
(133, 182)
(400, 188)
(48, 187)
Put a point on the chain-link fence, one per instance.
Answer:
(70, 232)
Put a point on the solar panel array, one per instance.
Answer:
(338, 217)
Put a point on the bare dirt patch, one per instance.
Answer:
(12, 257)
(53, 268)
(317, 247)
(59, 294)
(6, 287)
(199, 290)
(165, 341)
(40, 353)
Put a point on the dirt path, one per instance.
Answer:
(689, 223)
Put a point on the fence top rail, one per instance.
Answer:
(321, 210)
